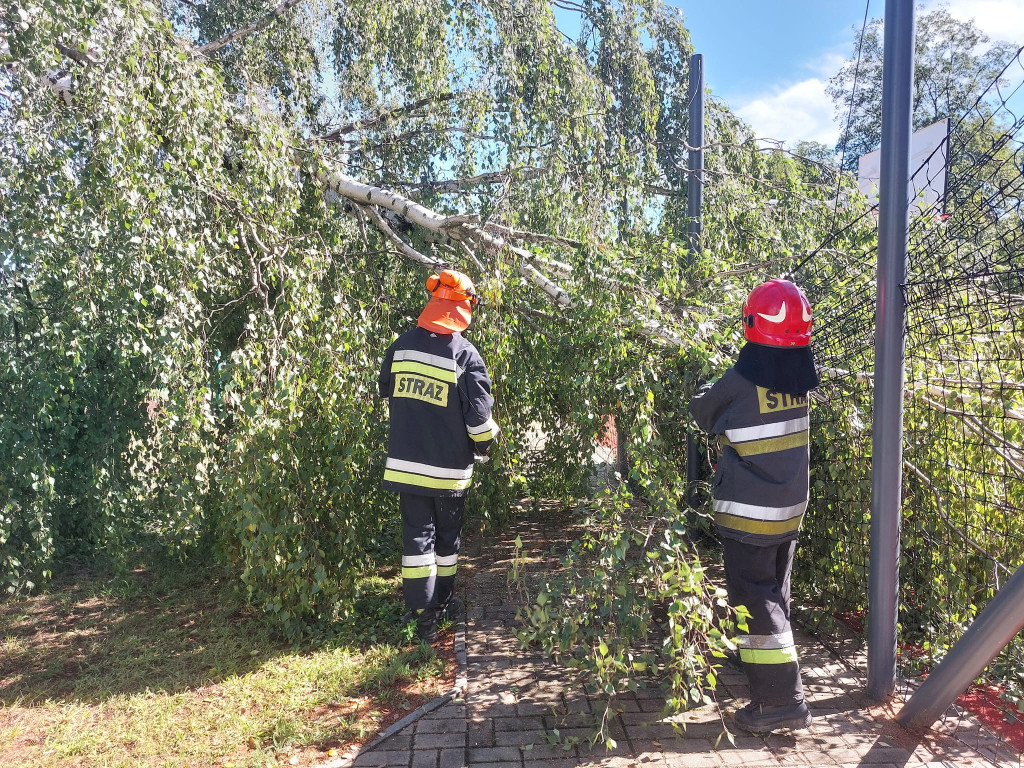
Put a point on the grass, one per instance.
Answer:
(168, 669)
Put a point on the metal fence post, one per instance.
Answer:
(695, 224)
(887, 420)
(695, 154)
(994, 628)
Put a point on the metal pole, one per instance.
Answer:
(695, 159)
(996, 626)
(695, 223)
(887, 419)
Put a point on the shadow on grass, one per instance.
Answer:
(87, 638)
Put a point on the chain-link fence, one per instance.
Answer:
(963, 453)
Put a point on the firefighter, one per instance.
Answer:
(439, 397)
(758, 408)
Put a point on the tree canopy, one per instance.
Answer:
(215, 217)
(954, 62)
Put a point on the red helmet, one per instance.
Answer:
(777, 314)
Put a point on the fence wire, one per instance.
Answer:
(963, 466)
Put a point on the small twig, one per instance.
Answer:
(469, 252)
(403, 247)
(492, 177)
(531, 237)
(980, 429)
(522, 312)
(362, 224)
(373, 122)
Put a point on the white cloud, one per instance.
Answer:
(802, 111)
(999, 19)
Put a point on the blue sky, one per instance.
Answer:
(771, 61)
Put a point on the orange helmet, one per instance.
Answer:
(777, 314)
(452, 298)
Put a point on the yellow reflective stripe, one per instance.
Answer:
(488, 435)
(486, 431)
(745, 524)
(440, 483)
(770, 444)
(773, 656)
(446, 570)
(420, 572)
(408, 366)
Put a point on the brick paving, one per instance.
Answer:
(516, 700)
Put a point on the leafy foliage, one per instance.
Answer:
(190, 328)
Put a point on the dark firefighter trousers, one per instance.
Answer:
(759, 578)
(431, 527)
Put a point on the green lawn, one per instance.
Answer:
(169, 669)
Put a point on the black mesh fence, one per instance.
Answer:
(963, 468)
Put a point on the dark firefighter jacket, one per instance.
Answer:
(760, 488)
(440, 400)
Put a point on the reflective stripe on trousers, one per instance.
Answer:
(758, 578)
(431, 528)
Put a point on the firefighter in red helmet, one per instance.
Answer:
(440, 401)
(760, 491)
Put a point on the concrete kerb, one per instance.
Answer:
(459, 689)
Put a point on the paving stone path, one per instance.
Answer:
(515, 700)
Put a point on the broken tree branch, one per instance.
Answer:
(79, 57)
(945, 518)
(403, 247)
(483, 179)
(262, 23)
(914, 389)
(531, 237)
(385, 115)
(459, 228)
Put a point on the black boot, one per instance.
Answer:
(455, 609)
(426, 626)
(765, 718)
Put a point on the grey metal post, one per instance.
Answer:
(695, 155)
(996, 626)
(887, 419)
(695, 223)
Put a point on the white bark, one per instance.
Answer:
(534, 275)
(404, 248)
(60, 83)
(465, 229)
(461, 228)
(652, 330)
(365, 194)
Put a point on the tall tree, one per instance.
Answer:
(954, 62)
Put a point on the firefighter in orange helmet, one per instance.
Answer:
(759, 409)
(440, 401)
